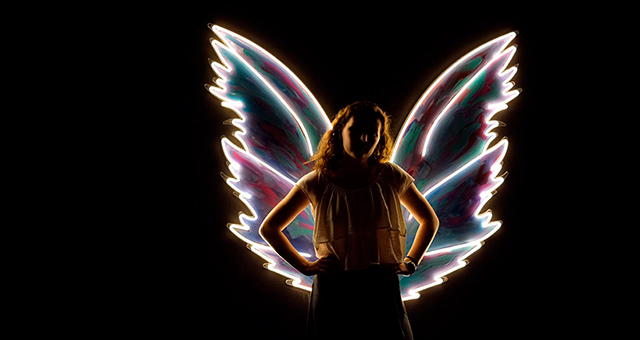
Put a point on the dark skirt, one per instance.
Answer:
(362, 304)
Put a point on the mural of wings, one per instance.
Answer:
(445, 143)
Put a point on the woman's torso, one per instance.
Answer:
(353, 181)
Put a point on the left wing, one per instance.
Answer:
(458, 201)
(451, 122)
(444, 145)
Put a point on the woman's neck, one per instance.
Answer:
(351, 167)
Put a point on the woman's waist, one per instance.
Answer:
(363, 256)
(337, 232)
(365, 276)
(358, 265)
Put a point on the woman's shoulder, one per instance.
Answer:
(310, 177)
(395, 168)
(397, 176)
(311, 174)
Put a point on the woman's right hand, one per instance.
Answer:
(325, 265)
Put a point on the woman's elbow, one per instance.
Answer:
(432, 221)
(268, 230)
(265, 230)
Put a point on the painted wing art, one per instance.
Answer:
(445, 144)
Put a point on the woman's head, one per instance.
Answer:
(360, 130)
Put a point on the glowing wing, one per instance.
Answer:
(444, 144)
(280, 126)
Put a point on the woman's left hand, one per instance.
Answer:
(399, 268)
(403, 269)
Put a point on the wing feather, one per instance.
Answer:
(296, 96)
(268, 130)
(260, 188)
(458, 201)
(433, 269)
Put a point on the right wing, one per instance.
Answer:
(281, 125)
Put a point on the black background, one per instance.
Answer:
(198, 280)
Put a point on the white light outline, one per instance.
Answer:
(436, 83)
(244, 196)
(485, 195)
(485, 217)
(220, 93)
(283, 66)
(492, 107)
(228, 46)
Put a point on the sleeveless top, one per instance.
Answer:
(361, 227)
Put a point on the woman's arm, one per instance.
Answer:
(422, 211)
(277, 220)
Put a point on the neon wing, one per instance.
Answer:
(444, 144)
(280, 126)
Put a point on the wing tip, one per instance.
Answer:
(504, 39)
(504, 175)
(216, 28)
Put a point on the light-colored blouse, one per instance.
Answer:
(361, 227)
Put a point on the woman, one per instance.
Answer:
(359, 234)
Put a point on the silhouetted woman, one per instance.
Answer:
(359, 234)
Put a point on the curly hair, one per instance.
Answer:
(330, 149)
